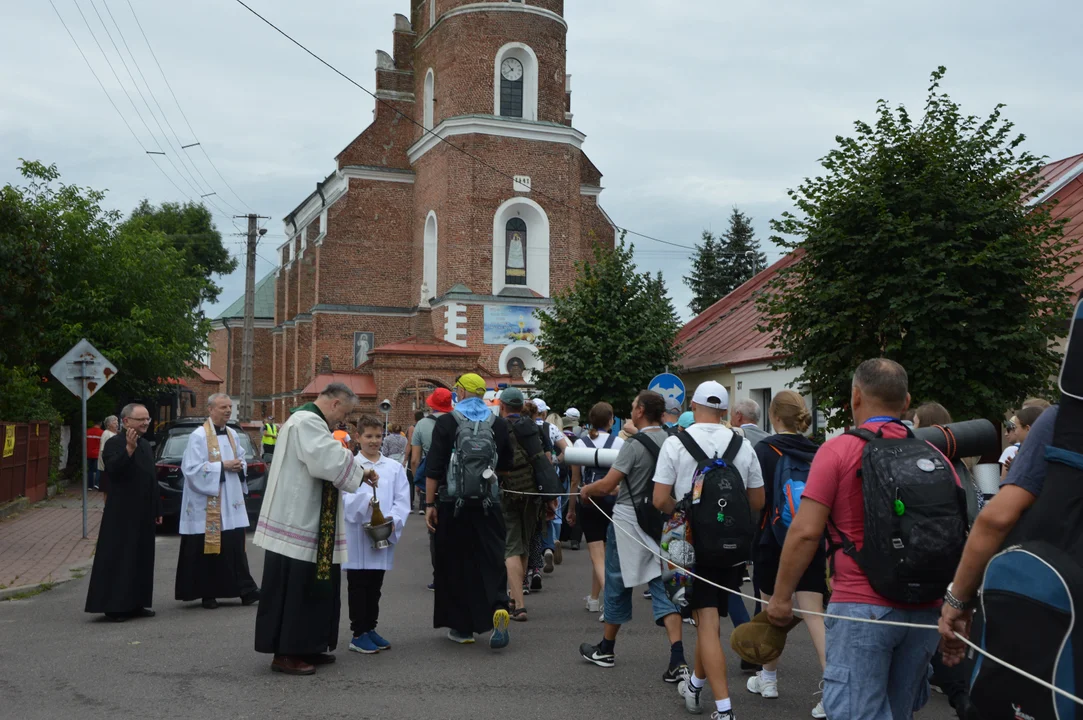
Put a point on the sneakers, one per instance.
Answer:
(460, 638)
(535, 582)
(646, 594)
(500, 637)
(676, 674)
(593, 604)
(558, 553)
(549, 560)
(818, 711)
(727, 715)
(690, 693)
(764, 688)
(432, 587)
(594, 654)
(574, 545)
(378, 641)
(364, 644)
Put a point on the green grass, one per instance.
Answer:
(43, 587)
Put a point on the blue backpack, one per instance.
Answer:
(791, 474)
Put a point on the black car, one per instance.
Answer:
(172, 439)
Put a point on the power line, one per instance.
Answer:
(157, 104)
(181, 109)
(427, 131)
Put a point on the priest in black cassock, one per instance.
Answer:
(213, 517)
(122, 580)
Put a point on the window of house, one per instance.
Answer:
(515, 252)
(429, 106)
(511, 87)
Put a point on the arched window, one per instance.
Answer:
(430, 250)
(511, 87)
(515, 252)
(515, 82)
(430, 87)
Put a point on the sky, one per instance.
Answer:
(690, 108)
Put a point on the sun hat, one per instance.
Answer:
(758, 641)
(439, 400)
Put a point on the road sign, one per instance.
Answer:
(668, 385)
(83, 371)
(83, 366)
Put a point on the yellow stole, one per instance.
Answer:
(212, 537)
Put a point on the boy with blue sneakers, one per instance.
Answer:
(366, 565)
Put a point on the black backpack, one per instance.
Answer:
(915, 518)
(720, 515)
(649, 518)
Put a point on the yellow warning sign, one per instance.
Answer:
(9, 440)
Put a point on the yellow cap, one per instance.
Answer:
(471, 383)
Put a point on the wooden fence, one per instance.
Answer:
(24, 460)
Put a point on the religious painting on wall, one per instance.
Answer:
(515, 253)
(506, 324)
(363, 343)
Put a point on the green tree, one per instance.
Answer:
(707, 274)
(605, 337)
(125, 288)
(190, 228)
(918, 245)
(740, 257)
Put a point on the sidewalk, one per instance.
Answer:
(44, 543)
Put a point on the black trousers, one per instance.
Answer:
(432, 553)
(364, 593)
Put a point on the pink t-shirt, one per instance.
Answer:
(833, 482)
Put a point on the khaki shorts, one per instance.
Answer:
(521, 522)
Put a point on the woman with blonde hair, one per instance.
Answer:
(791, 419)
(594, 523)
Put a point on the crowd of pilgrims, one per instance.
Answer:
(332, 486)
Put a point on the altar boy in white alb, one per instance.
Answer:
(365, 565)
(213, 518)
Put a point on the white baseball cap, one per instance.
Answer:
(572, 413)
(711, 394)
(540, 404)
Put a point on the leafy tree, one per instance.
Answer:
(740, 257)
(917, 245)
(605, 337)
(125, 288)
(707, 274)
(190, 228)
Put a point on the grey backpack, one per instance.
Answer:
(471, 477)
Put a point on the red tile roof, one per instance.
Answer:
(412, 346)
(362, 385)
(725, 334)
(207, 375)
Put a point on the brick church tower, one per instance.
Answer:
(417, 260)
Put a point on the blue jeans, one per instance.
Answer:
(618, 599)
(92, 473)
(877, 672)
(552, 528)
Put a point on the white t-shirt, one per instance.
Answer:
(676, 467)
(1009, 453)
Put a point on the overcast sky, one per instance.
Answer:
(687, 114)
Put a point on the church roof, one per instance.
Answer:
(362, 385)
(265, 301)
(413, 346)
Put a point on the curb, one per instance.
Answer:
(7, 593)
(15, 506)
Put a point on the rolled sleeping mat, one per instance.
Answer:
(987, 476)
(590, 457)
(970, 438)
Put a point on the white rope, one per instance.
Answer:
(796, 611)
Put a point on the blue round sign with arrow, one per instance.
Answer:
(668, 385)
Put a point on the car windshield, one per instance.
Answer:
(178, 441)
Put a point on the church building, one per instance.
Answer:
(448, 222)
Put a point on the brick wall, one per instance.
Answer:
(462, 50)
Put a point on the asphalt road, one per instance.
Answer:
(58, 662)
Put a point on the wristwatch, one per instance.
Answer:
(955, 602)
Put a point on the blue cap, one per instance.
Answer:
(686, 420)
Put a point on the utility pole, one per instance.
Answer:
(248, 341)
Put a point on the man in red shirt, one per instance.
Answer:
(873, 672)
(93, 445)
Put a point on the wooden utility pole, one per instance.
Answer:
(248, 341)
